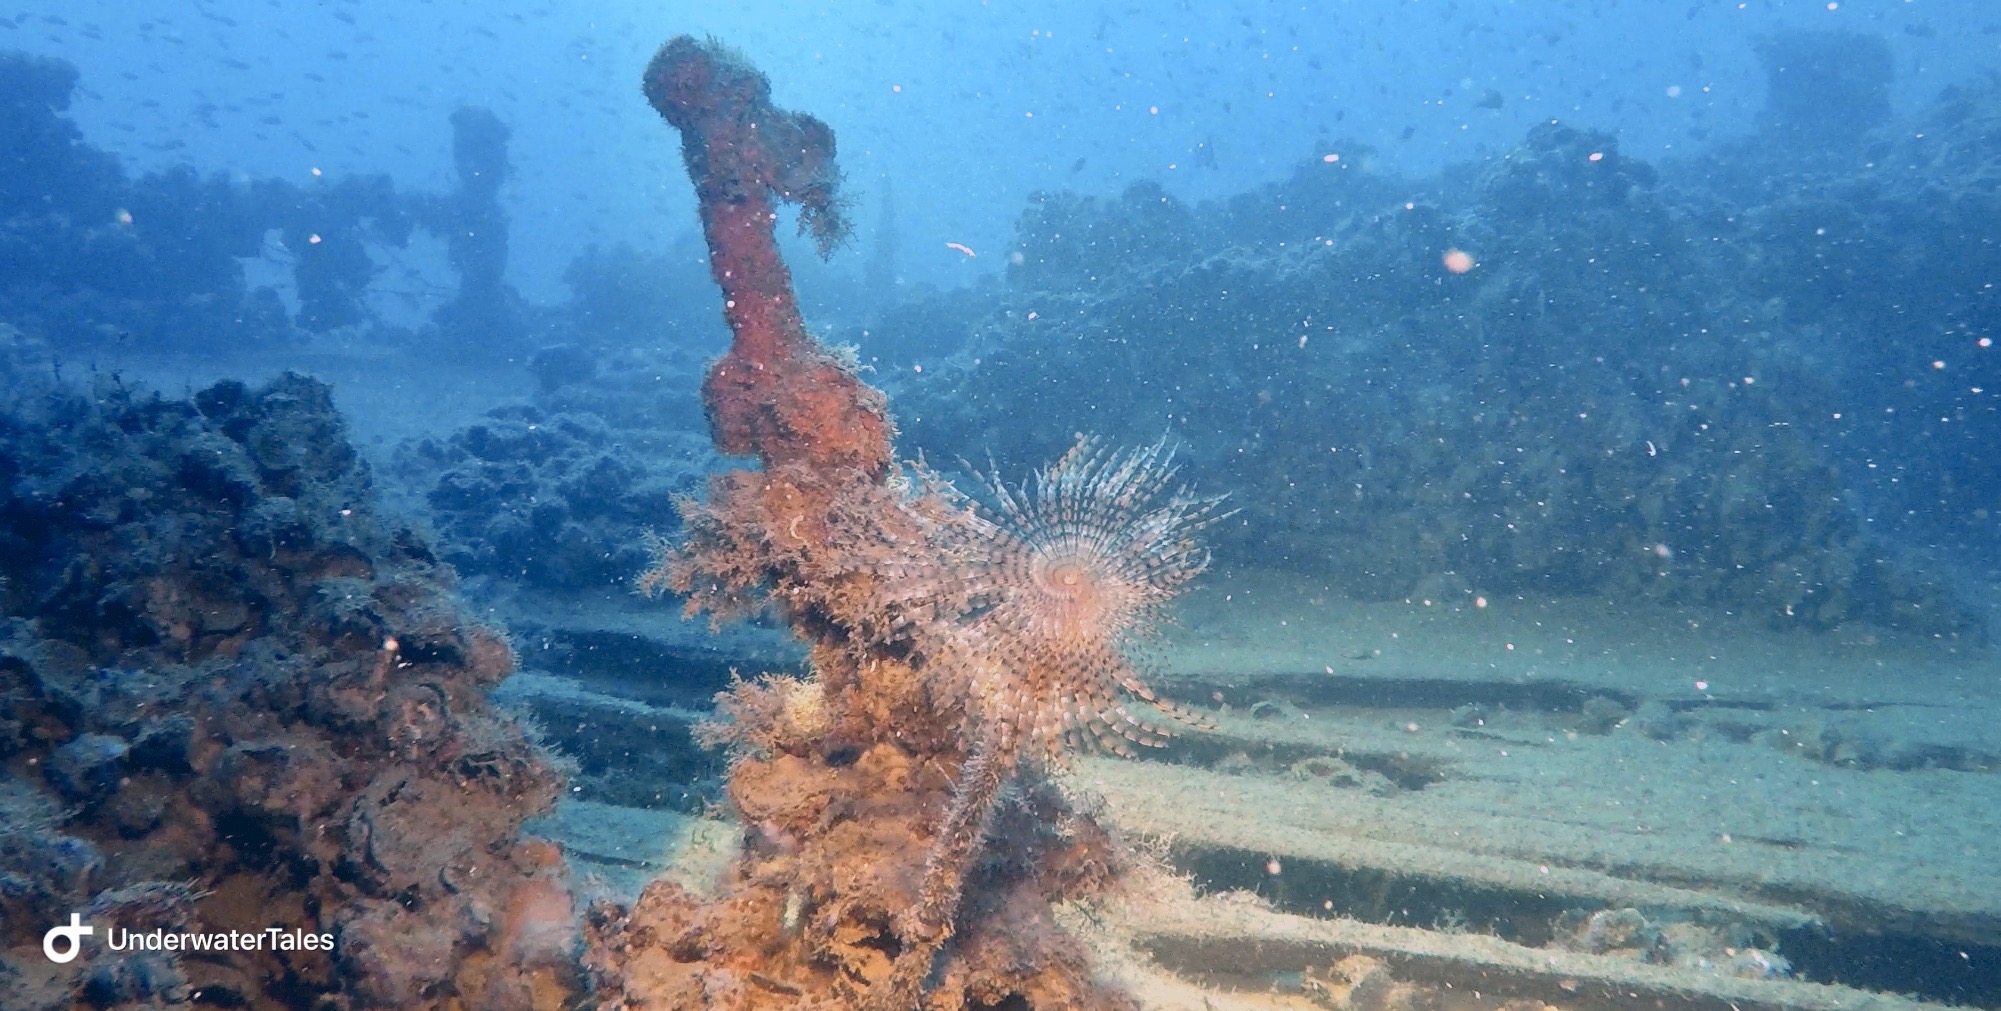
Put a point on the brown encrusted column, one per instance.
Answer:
(863, 815)
(775, 395)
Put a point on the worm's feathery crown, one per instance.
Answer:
(1049, 593)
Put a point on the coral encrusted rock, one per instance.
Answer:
(232, 699)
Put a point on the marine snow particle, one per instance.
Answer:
(1458, 261)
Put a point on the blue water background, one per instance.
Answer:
(966, 108)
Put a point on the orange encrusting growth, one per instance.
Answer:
(955, 648)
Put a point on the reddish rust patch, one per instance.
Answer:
(776, 395)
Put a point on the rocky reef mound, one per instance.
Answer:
(233, 698)
(551, 501)
(1555, 374)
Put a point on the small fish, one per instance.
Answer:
(1491, 100)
